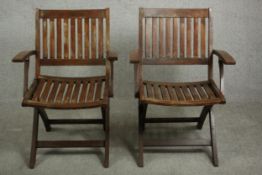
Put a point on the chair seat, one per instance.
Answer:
(181, 94)
(66, 93)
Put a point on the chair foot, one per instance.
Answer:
(213, 139)
(141, 117)
(106, 160)
(105, 110)
(34, 139)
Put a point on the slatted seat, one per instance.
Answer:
(69, 38)
(64, 93)
(177, 37)
(181, 94)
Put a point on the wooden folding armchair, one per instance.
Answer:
(188, 41)
(69, 38)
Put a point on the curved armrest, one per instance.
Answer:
(224, 57)
(112, 56)
(134, 57)
(23, 56)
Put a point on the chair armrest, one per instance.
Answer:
(23, 56)
(224, 57)
(112, 56)
(134, 57)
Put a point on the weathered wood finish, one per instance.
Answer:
(192, 26)
(177, 37)
(181, 94)
(68, 27)
(69, 37)
(65, 93)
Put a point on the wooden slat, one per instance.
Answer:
(53, 92)
(45, 43)
(98, 89)
(209, 91)
(196, 54)
(38, 90)
(79, 38)
(68, 94)
(177, 61)
(189, 37)
(168, 38)
(164, 92)
(52, 38)
(147, 41)
(182, 37)
(101, 39)
(66, 38)
(74, 62)
(156, 91)
(161, 38)
(91, 90)
(193, 92)
(93, 36)
(203, 37)
(59, 39)
(46, 90)
(171, 12)
(149, 90)
(175, 45)
(83, 93)
(154, 38)
(76, 91)
(87, 38)
(73, 34)
(91, 13)
(171, 93)
(186, 93)
(201, 91)
(60, 93)
(179, 93)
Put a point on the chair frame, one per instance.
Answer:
(136, 58)
(23, 57)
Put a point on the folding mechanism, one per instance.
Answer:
(69, 38)
(177, 37)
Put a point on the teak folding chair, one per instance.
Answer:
(177, 37)
(69, 38)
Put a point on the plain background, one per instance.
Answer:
(237, 29)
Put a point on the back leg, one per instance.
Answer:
(34, 139)
(107, 134)
(203, 115)
(140, 135)
(213, 138)
(45, 119)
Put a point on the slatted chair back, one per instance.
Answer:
(175, 36)
(72, 37)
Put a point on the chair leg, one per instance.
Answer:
(203, 115)
(140, 135)
(103, 116)
(213, 138)
(144, 115)
(34, 139)
(107, 134)
(45, 119)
